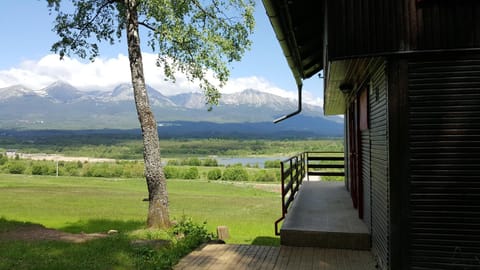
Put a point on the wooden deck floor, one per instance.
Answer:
(238, 257)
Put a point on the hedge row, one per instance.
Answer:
(133, 169)
(207, 162)
(124, 169)
(231, 173)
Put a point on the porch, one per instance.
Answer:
(320, 230)
(239, 257)
(319, 213)
(322, 215)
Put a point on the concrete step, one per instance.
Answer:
(322, 215)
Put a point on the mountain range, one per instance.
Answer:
(61, 106)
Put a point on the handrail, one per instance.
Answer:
(295, 168)
(325, 164)
(292, 175)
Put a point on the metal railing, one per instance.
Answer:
(306, 164)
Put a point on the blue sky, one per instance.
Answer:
(26, 58)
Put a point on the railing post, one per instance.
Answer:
(283, 189)
(291, 174)
(305, 160)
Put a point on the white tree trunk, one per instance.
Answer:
(157, 185)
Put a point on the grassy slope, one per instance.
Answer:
(97, 205)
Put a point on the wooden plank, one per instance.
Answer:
(325, 158)
(326, 173)
(239, 257)
(294, 260)
(326, 166)
(191, 259)
(270, 258)
(319, 260)
(259, 258)
(306, 259)
(223, 254)
(207, 257)
(248, 256)
(283, 258)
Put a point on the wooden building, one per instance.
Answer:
(406, 75)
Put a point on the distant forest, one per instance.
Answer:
(126, 144)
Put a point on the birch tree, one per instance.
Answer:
(198, 38)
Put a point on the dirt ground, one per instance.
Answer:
(37, 232)
(56, 157)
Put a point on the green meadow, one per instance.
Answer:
(77, 204)
(92, 205)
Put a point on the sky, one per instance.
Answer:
(26, 38)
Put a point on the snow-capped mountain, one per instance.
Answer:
(124, 92)
(62, 106)
(189, 100)
(17, 91)
(62, 92)
(256, 98)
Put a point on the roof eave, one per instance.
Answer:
(285, 37)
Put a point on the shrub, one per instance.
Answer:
(214, 174)
(187, 236)
(264, 176)
(173, 162)
(235, 173)
(43, 168)
(171, 172)
(3, 159)
(68, 169)
(16, 167)
(191, 162)
(36, 169)
(186, 227)
(210, 162)
(272, 164)
(102, 169)
(133, 169)
(190, 173)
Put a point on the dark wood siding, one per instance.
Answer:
(366, 27)
(379, 167)
(444, 149)
(447, 24)
(366, 179)
(357, 27)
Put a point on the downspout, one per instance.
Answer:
(284, 36)
(299, 109)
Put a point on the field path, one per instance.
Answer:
(56, 157)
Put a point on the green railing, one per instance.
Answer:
(306, 164)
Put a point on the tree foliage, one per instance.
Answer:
(197, 38)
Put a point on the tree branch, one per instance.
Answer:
(146, 25)
(82, 29)
(199, 6)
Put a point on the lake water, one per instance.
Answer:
(252, 161)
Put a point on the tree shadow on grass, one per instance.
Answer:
(78, 232)
(266, 241)
(9, 225)
(116, 251)
(103, 225)
(113, 252)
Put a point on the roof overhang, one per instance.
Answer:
(299, 27)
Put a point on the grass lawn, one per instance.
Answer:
(75, 205)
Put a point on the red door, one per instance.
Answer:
(356, 120)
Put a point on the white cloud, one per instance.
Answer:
(105, 74)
